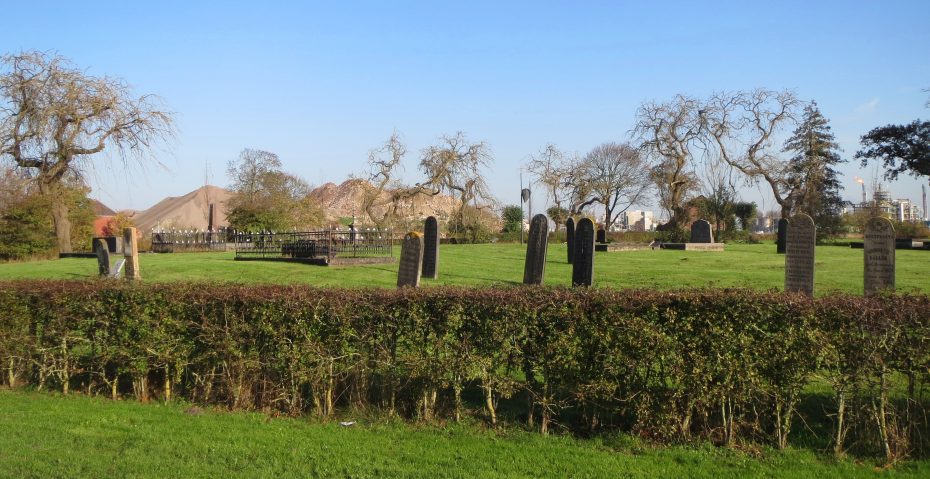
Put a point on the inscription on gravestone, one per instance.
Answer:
(799, 255)
(570, 238)
(601, 235)
(701, 233)
(535, 267)
(583, 267)
(782, 236)
(431, 248)
(103, 257)
(878, 247)
(131, 252)
(411, 261)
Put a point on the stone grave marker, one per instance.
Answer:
(103, 257)
(879, 246)
(411, 260)
(583, 267)
(431, 248)
(570, 238)
(782, 236)
(799, 255)
(701, 233)
(601, 235)
(536, 243)
(131, 252)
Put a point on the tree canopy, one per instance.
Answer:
(900, 148)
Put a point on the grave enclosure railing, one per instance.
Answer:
(324, 246)
(175, 241)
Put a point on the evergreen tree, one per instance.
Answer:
(812, 172)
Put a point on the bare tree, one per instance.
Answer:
(742, 127)
(54, 119)
(614, 176)
(670, 132)
(382, 201)
(550, 167)
(456, 165)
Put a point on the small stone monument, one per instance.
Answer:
(879, 246)
(583, 267)
(782, 236)
(701, 233)
(431, 248)
(799, 255)
(131, 252)
(103, 257)
(570, 238)
(411, 261)
(601, 235)
(535, 267)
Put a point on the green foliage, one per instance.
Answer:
(472, 225)
(512, 217)
(26, 226)
(900, 148)
(745, 212)
(726, 366)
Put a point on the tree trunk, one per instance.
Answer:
(59, 205)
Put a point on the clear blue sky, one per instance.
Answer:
(323, 83)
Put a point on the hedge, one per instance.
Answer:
(720, 365)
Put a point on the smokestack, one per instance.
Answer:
(210, 219)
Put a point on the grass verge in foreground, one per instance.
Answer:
(46, 435)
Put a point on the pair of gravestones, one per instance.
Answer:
(800, 239)
(419, 255)
(580, 243)
(130, 262)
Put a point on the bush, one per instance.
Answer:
(720, 365)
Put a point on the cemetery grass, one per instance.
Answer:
(838, 268)
(50, 435)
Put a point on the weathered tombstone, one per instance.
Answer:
(535, 267)
(701, 233)
(431, 248)
(782, 236)
(570, 238)
(411, 260)
(103, 257)
(799, 255)
(601, 235)
(583, 267)
(879, 246)
(131, 252)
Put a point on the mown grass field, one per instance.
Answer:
(757, 266)
(47, 436)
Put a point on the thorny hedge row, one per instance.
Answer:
(721, 365)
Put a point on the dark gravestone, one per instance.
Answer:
(601, 235)
(583, 267)
(411, 261)
(570, 238)
(210, 224)
(535, 267)
(879, 246)
(103, 257)
(131, 252)
(431, 248)
(799, 255)
(782, 236)
(700, 232)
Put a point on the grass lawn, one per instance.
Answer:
(46, 435)
(757, 266)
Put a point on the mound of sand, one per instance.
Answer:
(190, 211)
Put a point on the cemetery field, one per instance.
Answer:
(47, 435)
(838, 268)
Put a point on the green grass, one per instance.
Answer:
(757, 266)
(45, 435)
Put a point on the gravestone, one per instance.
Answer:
(583, 267)
(131, 252)
(103, 257)
(701, 233)
(601, 235)
(879, 246)
(570, 238)
(782, 236)
(411, 261)
(799, 255)
(431, 248)
(535, 267)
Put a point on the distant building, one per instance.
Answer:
(901, 209)
(637, 220)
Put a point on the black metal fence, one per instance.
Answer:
(175, 241)
(321, 246)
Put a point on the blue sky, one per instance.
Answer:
(320, 84)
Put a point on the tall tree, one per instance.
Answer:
(550, 167)
(54, 119)
(267, 198)
(812, 174)
(512, 217)
(612, 175)
(901, 148)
